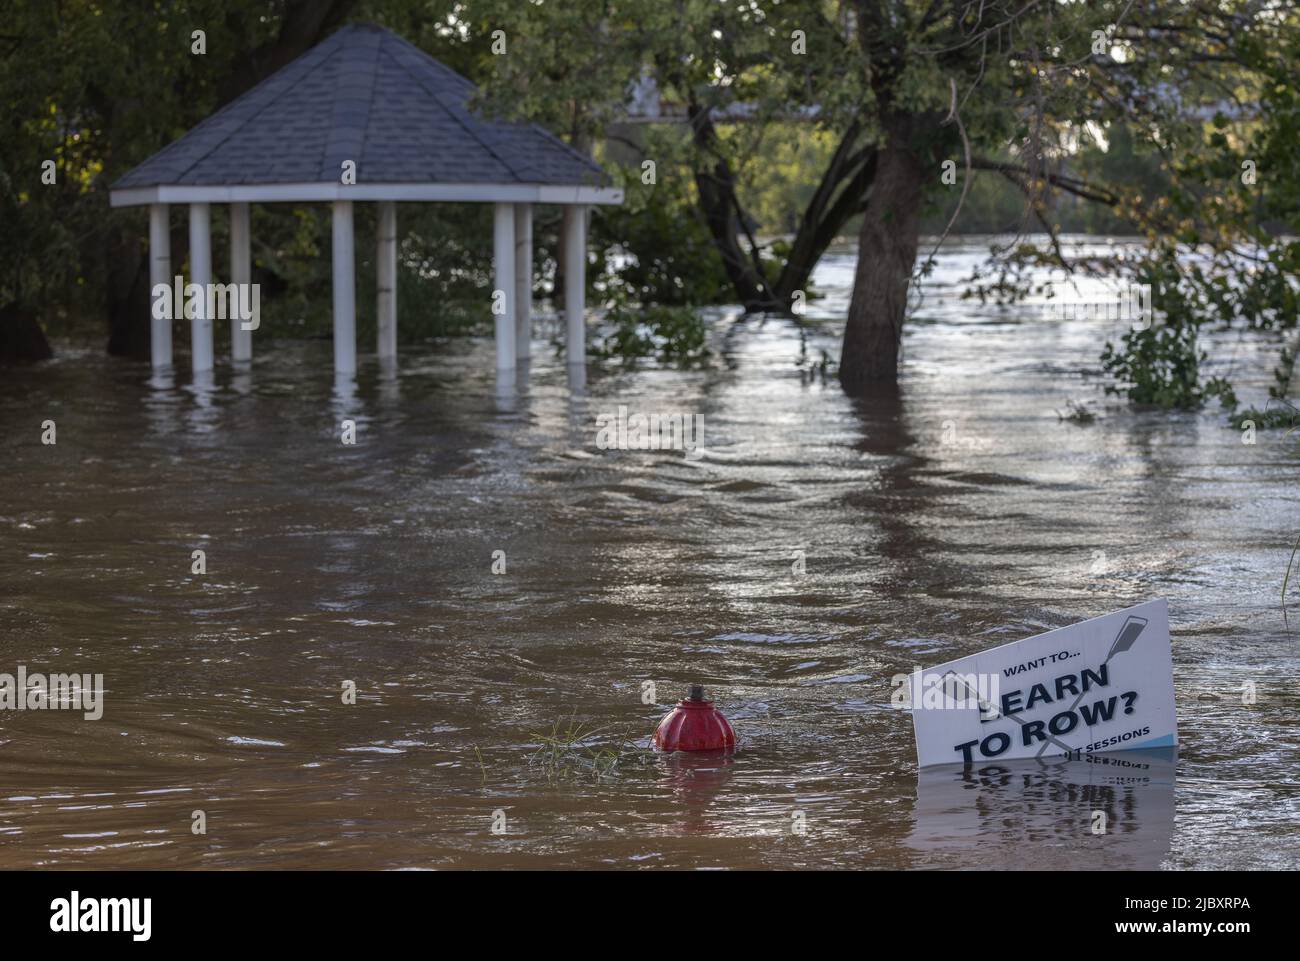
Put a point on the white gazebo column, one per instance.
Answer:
(160, 269)
(575, 286)
(523, 280)
(345, 294)
(503, 250)
(386, 281)
(241, 275)
(201, 276)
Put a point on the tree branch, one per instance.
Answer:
(1071, 185)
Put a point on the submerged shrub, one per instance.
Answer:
(669, 335)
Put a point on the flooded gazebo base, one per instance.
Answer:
(512, 245)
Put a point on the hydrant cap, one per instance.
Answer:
(694, 725)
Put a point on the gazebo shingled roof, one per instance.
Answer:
(367, 96)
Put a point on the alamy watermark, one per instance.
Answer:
(932, 691)
(53, 692)
(242, 302)
(75, 915)
(1132, 305)
(650, 431)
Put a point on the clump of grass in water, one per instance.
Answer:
(1077, 413)
(568, 751)
(810, 371)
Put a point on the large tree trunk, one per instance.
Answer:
(886, 257)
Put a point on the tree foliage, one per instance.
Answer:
(806, 118)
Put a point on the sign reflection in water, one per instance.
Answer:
(1043, 814)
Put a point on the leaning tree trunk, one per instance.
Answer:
(887, 246)
(715, 186)
(822, 224)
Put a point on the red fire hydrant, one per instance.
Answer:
(694, 725)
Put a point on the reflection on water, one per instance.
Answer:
(697, 782)
(1095, 812)
(947, 516)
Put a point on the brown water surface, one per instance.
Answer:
(954, 515)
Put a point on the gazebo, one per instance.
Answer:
(366, 116)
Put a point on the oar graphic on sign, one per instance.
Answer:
(1127, 635)
(1125, 639)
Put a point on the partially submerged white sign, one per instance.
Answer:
(1103, 685)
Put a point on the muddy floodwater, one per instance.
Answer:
(955, 515)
